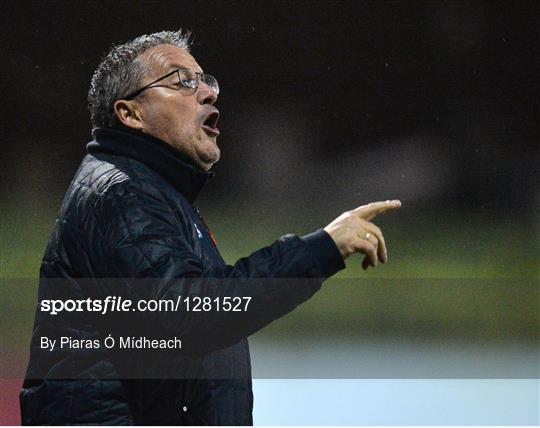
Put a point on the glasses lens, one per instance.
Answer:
(212, 82)
(188, 78)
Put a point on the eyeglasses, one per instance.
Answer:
(186, 78)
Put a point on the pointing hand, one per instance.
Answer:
(353, 232)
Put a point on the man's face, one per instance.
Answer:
(176, 114)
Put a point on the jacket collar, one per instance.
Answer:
(155, 154)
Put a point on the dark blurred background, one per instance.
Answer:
(433, 102)
(325, 105)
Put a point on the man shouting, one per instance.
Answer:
(128, 230)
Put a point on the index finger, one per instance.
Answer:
(369, 211)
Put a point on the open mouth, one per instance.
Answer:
(210, 124)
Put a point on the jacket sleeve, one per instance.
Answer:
(148, 248)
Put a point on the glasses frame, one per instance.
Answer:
(200, 78)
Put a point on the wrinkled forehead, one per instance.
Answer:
(163, 59)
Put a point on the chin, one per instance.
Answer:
(211, 152)
(211, 160)
(208, 158)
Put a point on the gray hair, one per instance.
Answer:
(120, 73)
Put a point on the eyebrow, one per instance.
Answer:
(175, 66)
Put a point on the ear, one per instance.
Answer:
(128, 114)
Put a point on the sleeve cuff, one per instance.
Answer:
(323, 249)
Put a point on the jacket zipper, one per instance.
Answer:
(210, 233)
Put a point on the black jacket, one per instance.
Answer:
(128, 227)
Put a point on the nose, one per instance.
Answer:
(205, 94)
